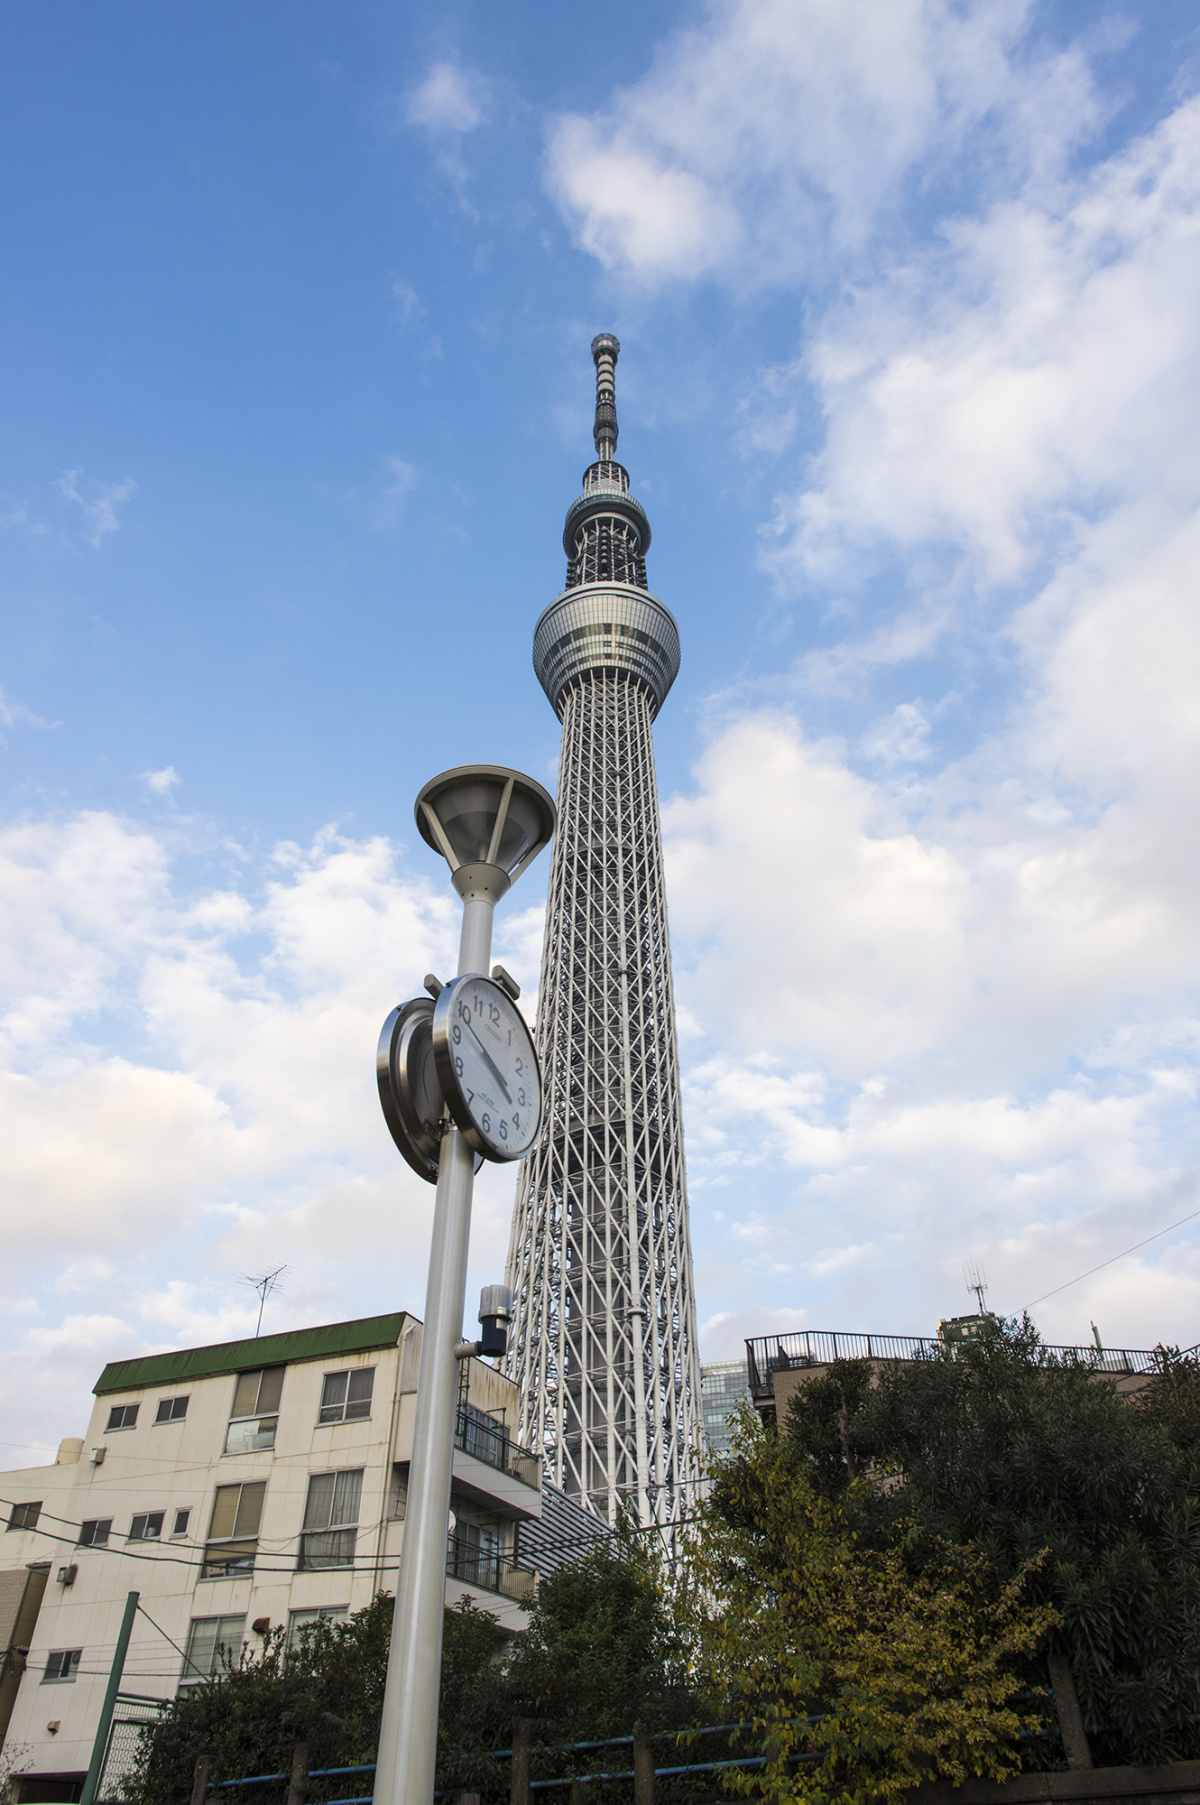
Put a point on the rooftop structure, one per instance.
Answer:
(776, 1364)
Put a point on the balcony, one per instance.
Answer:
(489, 1441)
(488, 1570)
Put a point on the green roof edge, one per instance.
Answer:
(356, 1337)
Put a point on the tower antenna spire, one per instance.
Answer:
(606, 348)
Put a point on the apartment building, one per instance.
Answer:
(238, 1488)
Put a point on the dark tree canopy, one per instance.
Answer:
(1013, 1449)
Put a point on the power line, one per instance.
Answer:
(1156, 1236)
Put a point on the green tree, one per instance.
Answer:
(1017, 1450)
(602, 1650)
(863, 1672)
(326, 1691)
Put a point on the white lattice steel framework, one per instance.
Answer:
(604, 1337)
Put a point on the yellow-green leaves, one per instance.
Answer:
(866, 1671)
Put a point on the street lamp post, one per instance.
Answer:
(490, 823)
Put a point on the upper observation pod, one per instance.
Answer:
(606, 618)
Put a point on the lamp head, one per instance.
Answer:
(488, 822)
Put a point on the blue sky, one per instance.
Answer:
(295, 316)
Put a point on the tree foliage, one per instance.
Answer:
(867, 1672)
(1015, 1450)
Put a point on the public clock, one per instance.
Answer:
(409, 1090)
(488, 1067)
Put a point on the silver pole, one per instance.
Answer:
(404, 1774)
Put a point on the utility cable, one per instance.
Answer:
(1156, 1236)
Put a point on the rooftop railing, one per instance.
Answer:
(767, 1355)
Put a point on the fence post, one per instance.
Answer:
(522, 1737)
(200, 1780)
(298, 1780)
(1070, 1717)
(643, 1768)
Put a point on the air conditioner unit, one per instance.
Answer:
(96, 1456)
(66, 1575)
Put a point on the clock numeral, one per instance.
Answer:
(485, 1122)
(456, 1033)
(520, 1067)
(493, 1012)
(503, 1129)
(458, 1066)
(517, 1119)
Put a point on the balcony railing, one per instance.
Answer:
(767, 1355)
(490, 1571)
(489, 1441)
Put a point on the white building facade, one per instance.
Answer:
(238, 1488)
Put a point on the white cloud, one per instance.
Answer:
(187, 1092)
(448, 100)
(400, 479)
(97, 502)
(942, 993)
(774, 135)
(162, 783)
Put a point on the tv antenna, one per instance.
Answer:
(976, 1279)
(264, 1284)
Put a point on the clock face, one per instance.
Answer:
(488, 1067)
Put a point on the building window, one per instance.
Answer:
(171, 1410)
(346, 1397)
(61, 1664)
(212, 1644)
(331, 1520)
(299, 1621)
(255, 1414)
(25, 1516)
(146, 1526)
(94, 1533)
(233, 1535)
(122, 1416)
(182, 1519)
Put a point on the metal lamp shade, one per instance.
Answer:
(486, 815)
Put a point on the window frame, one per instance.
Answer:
(34, 1505)
(184, 1511)
(339, 1410)
(190, 1677)
(241, 1545)
(174, 1415)
(95, 1540)
(146, 1518)
(122, 1410)
(267, 1420)
(308, 1561)
(317, 1613)
(65, 1676)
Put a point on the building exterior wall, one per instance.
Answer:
(178, 1466)
(721, 1385)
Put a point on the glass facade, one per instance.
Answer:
(721, 1385)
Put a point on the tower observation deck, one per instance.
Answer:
(604, 1336)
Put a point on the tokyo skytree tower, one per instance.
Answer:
(604, 1337)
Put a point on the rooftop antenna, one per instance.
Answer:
(977, 1282)
(264, 1284)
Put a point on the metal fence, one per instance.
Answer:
(767, 1355)
(133, 1716)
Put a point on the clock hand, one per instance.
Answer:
(491, 1063)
